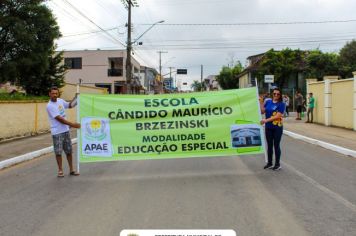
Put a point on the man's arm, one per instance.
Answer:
(66, 122)
(73, 103)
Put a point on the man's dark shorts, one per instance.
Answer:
(62, 142)
(299, 109)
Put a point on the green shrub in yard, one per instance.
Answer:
(21, 97)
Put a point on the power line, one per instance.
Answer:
(83, 15)
(258, 23)
(251, 43)
(89, 32)
(185, 47)
(248, 39)
(67, 13)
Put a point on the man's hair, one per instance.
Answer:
(311, 93)
(54, 88)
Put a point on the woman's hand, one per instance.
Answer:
(263, 121)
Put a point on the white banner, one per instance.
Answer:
(96, 137)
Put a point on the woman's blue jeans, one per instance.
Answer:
(273, 137)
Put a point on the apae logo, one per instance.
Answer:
(96, 139)
(95, 130)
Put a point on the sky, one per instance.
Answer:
(211, 33)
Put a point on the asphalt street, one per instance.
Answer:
(313, 194)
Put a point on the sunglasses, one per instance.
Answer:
(276, 94)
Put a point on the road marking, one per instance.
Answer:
(332, 194)
(326, 145)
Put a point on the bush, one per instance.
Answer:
(21, 97)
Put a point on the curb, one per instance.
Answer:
(325, 145)
(28, 156)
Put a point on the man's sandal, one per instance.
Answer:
(74, 173)
(60, 174)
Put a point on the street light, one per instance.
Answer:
(158, 22)
(129, 48)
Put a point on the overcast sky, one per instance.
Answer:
(212, 33)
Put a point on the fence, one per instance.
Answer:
(25, 118)
(335, 101)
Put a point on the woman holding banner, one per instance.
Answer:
(274, 110)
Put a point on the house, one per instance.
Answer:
(211, 83)
(248, 76)
(148, 79)
(101, 68)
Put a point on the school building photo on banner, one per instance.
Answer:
(246, 135)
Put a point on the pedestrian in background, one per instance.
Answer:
(60, 129)
(311, 105)
(266, 97)
(274, 110)
(286, 101)
(299, 102)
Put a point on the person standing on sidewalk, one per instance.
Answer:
(311, 105)
(286, 101)
(60, 129)
(299, 101)
(274, 110)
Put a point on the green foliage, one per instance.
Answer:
(287, 63)
(348, 59)
(27, 33)
(282, 64)
(21, 97)
(320, 64)
(227, 76)
(197, 86)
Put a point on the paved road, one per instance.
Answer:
(314, 194)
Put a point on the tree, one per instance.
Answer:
(282, 64)
(348, 59)
(320, 64)
(227, 76)
(197, 86)
(27, 56)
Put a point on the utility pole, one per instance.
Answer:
(170, 76)
(201, 77)
(160, 62)
(160, 71)
(128, 50)
(128, 4)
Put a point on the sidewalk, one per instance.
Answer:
(17, 147)
(337, 136)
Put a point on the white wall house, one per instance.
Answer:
(100, 68)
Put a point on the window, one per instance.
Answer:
(116, 65)
(73, 62)
(257, 138)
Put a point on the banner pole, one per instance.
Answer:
(263, 127)
(78, 130)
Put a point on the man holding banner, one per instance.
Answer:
(60, 129)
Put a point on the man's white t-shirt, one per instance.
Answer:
(55, 109)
